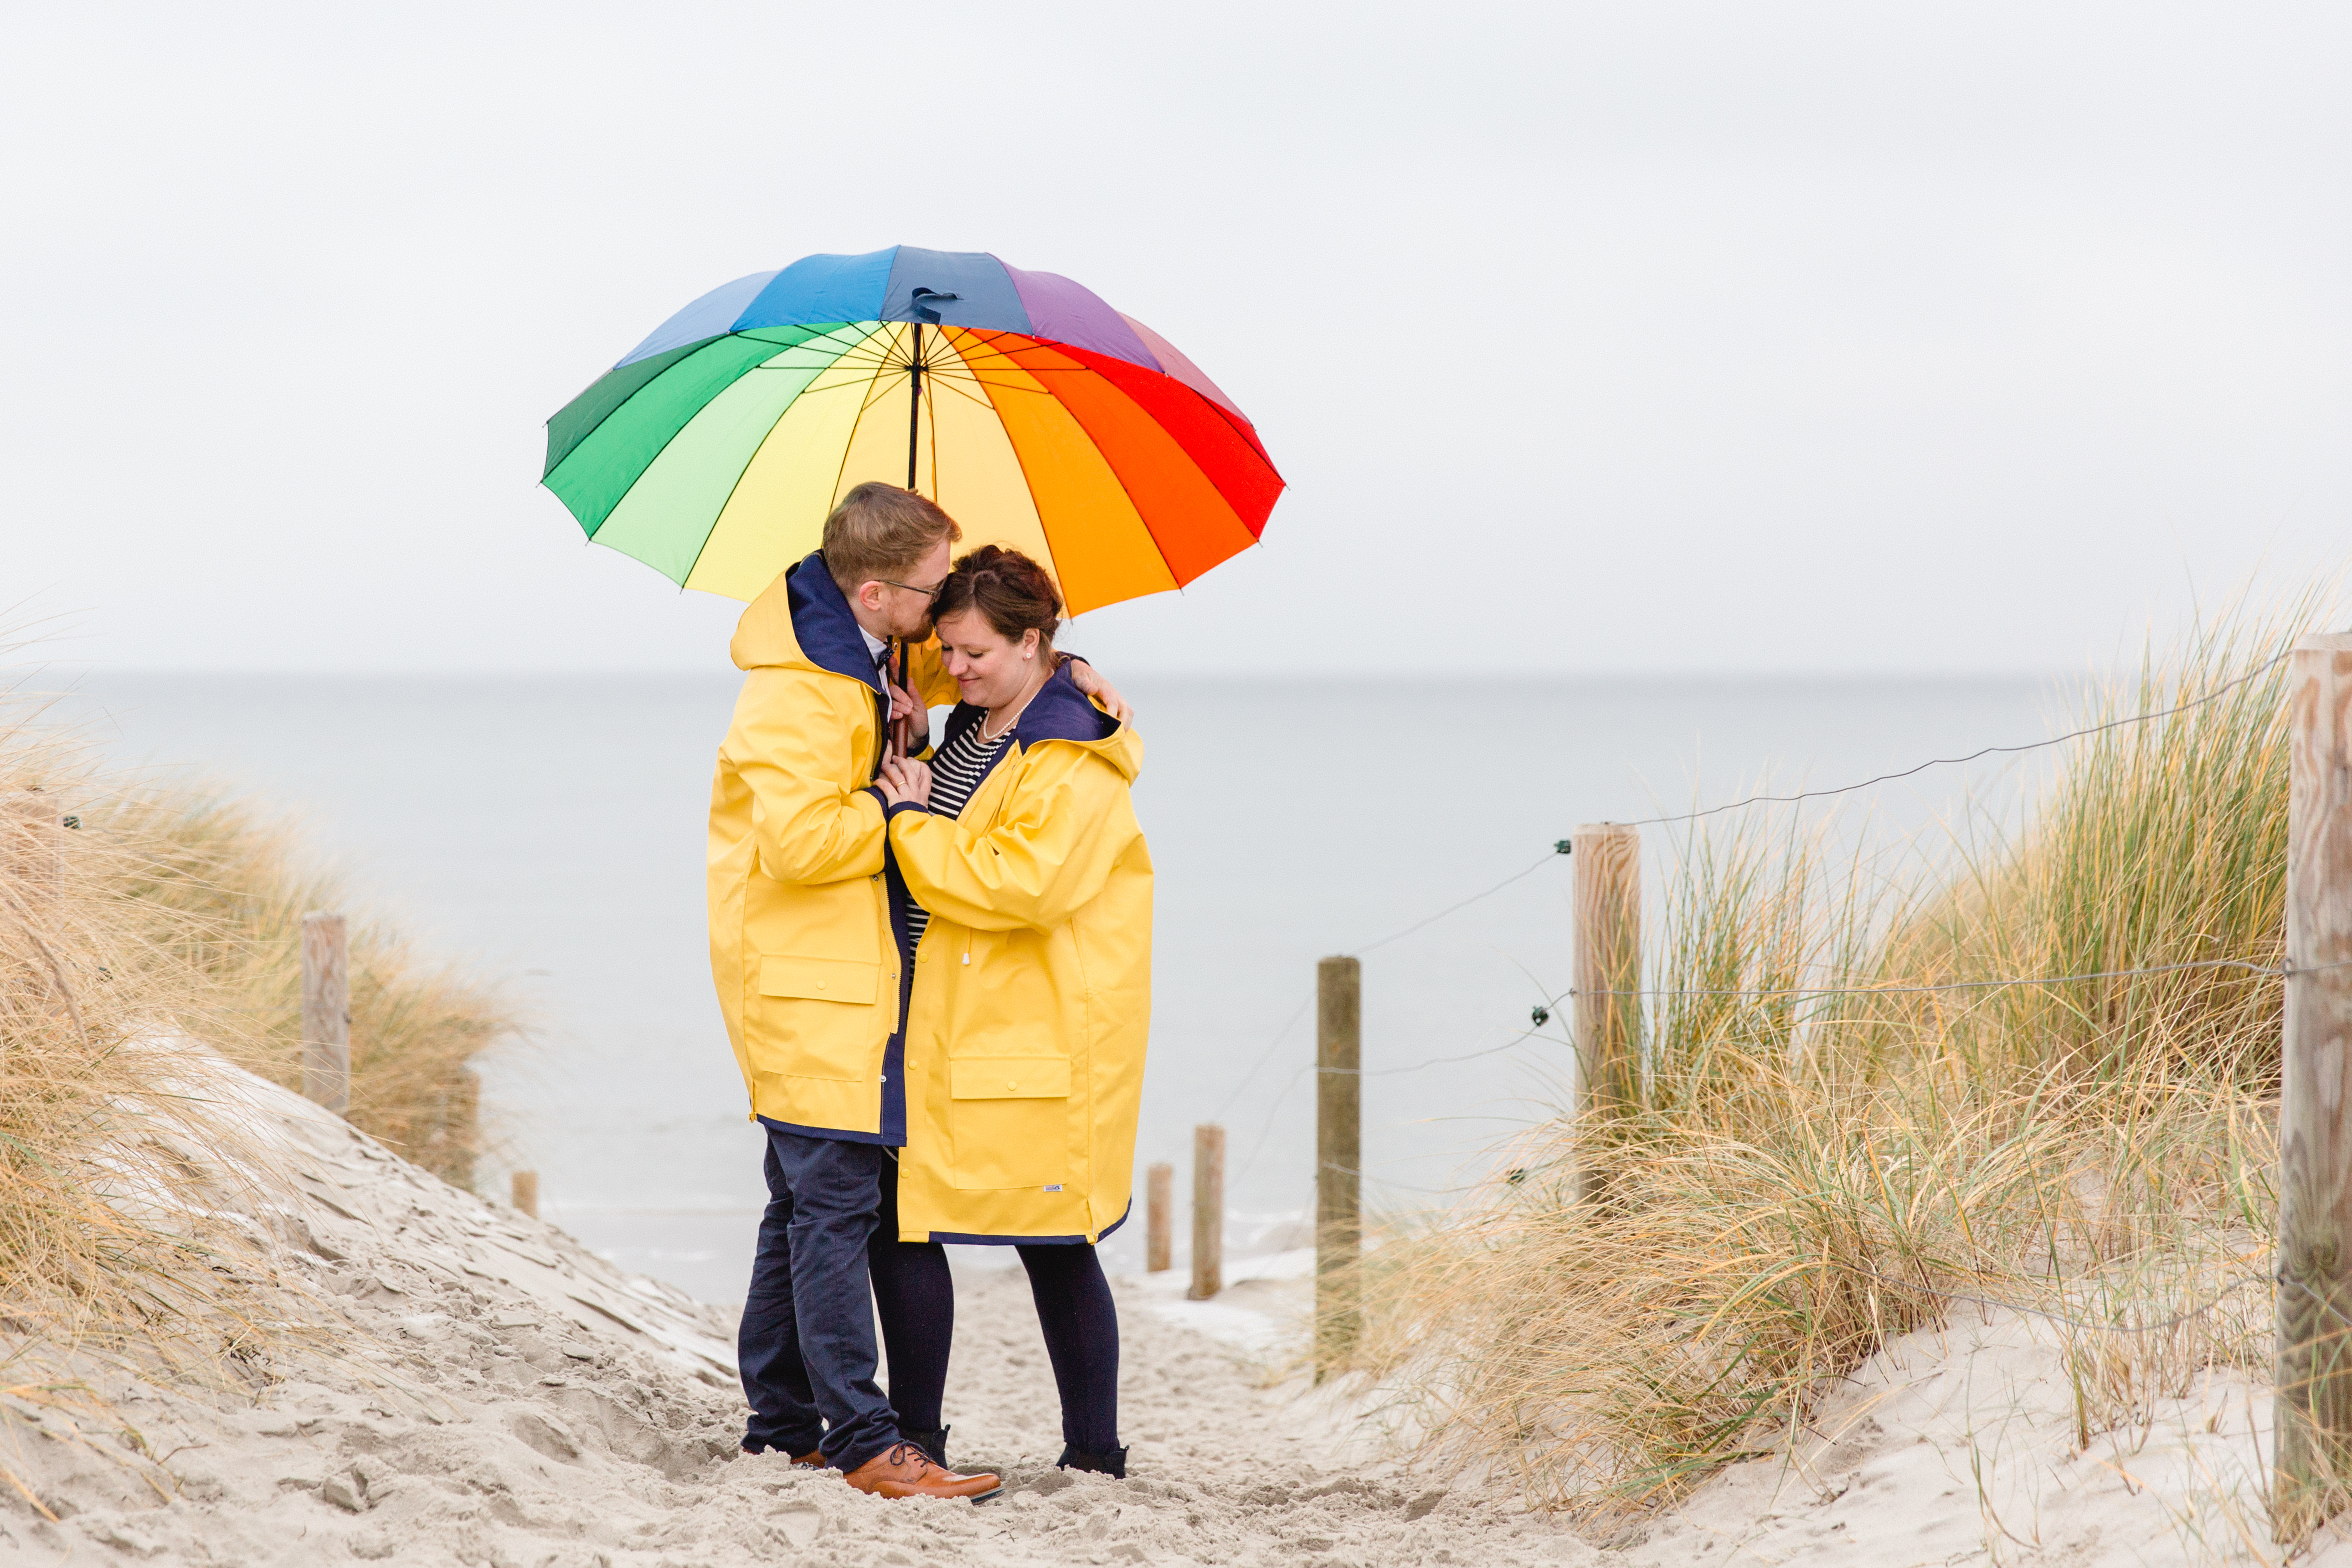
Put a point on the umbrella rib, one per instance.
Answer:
(667, 442)
(712, 531)
(875, 391)
(843, 466)
(978, 380)
(856, 357)
(1021, 462)
(949, 383)
(852, 354)
(1121, 480)
(584, 436)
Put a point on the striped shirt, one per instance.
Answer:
(957, 772)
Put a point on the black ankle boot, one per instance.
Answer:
(1113, 1464)
(934, 1444)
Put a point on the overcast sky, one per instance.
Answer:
(1639, 337)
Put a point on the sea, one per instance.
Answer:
(549, 832)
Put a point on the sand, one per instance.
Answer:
(497, 1394)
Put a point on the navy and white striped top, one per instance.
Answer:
(958, 769)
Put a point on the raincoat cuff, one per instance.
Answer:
(889, 811)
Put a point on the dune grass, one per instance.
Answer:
(145, 938)
(1807, 1178)
(226, 886)
(108, 1238)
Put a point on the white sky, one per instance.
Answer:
(1637, 337)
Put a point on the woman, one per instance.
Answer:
(1032, 977)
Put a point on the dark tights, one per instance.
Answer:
(915, 1296)
(1081, 1326)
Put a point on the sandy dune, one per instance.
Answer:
(499, 1395)
(502, 1396)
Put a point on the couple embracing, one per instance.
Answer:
(935, 966)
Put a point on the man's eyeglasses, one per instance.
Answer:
(930, 593)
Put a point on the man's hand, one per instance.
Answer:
(903, 779)
(1083, 674)
(910, 722)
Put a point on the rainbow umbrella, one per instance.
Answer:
(1037, 415)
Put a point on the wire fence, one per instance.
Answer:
(1561, 849)
(2215, 695)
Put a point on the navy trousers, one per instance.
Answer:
(806, 1343)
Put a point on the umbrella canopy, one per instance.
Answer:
(1041, 418)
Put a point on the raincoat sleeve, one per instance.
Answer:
(1046, 857)
(792, 748)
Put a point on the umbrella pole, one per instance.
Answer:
(915, 404)
(914, 447)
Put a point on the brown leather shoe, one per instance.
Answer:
(905, 1470)
(811, 1460)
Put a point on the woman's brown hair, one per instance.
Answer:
(1010, 591)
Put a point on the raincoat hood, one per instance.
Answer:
(804, 622)
(1060, 711)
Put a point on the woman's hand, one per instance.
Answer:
(1082, 676)
(903, 779)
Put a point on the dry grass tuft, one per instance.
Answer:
(144, 939)
(1808, 1177)
(227, 889)
(112, 1239)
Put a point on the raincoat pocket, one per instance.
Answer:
(822, 979)
(1009, 1119)
(815, 1018)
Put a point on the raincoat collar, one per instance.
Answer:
(829, 635)
(802, 622)
(1060, 711)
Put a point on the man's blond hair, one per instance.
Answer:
(880, 532)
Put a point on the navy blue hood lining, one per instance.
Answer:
(1059, 711)
(828, 633)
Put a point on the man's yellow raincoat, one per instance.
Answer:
(804, 914)
(1033, 986)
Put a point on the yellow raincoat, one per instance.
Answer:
(802, 916)
(1033, 986)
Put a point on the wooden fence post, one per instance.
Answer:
(1339, 1161)
(1160, 1205)
(1608, 967)
(1208, 1212)
(524, 1185)
(326, 1012)
(2314, 1224)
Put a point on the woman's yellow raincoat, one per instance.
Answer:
(1033, 986)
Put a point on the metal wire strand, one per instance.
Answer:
(2218, 692)
(2280, 971)
(1465, 904)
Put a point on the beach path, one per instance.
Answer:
(486, 1391)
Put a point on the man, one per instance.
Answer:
(808, 949)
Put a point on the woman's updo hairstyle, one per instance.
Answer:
(1010, 591)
